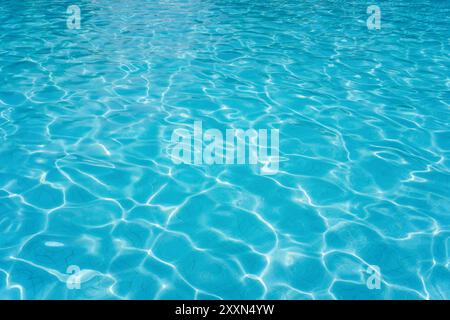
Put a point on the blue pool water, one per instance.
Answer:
(87, 187)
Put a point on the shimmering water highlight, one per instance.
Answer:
(86, 181)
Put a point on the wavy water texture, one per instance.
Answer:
(86, 180)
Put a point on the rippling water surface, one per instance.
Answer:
(86, 181)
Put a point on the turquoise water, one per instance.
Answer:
(86, 182)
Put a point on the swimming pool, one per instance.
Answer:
(93, 206)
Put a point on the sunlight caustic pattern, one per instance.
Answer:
(92, 205)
